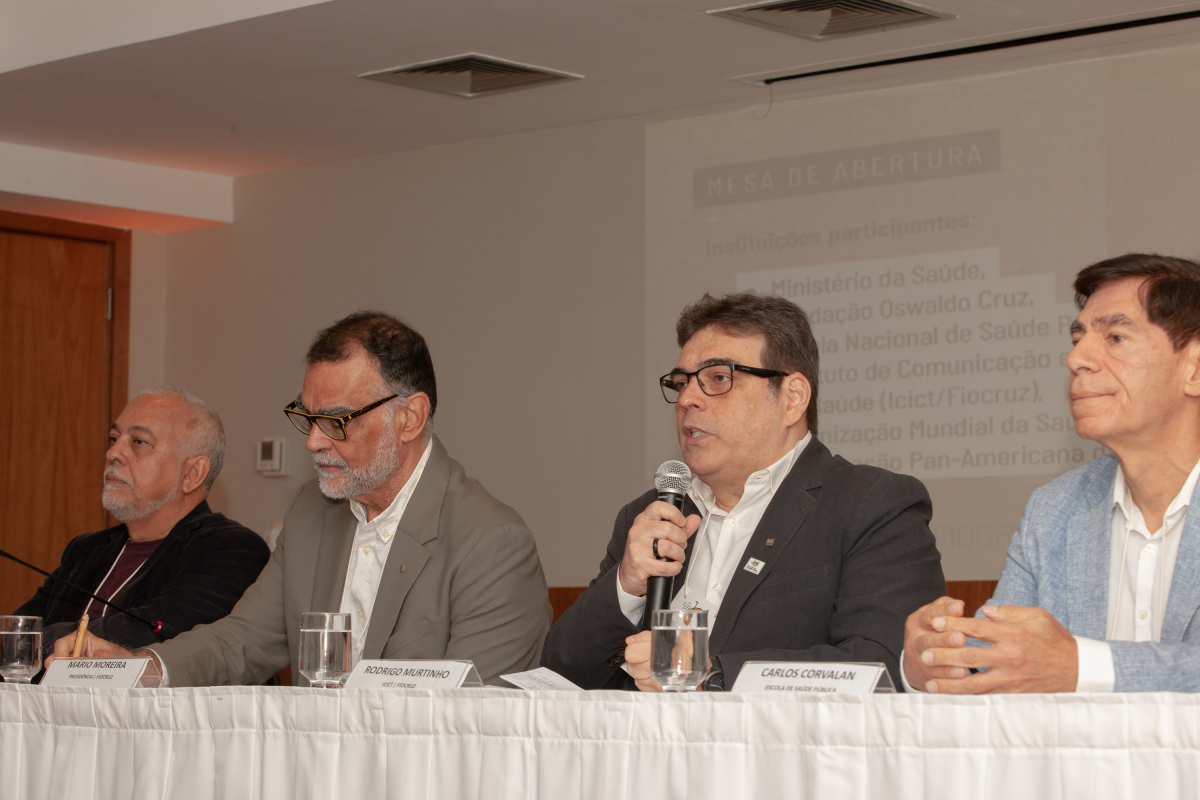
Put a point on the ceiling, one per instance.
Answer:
(281, 89)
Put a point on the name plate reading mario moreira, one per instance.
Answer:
(814, 677)
(383, 674)
(107, 673)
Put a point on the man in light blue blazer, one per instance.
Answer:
(1101, 587)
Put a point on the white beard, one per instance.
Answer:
(135, 509)
(358, 482)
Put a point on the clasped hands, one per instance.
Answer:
(1030, 650)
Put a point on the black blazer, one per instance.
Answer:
(196, 575)
(852, 557)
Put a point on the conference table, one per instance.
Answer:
(283, 742)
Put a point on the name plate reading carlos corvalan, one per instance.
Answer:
(815, 677)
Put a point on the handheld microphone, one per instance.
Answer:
(154, 626)
(672, 482)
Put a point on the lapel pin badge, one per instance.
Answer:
(754, 565)
(770, 542)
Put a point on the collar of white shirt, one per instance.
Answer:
(705, 499)
(1123, 499)
(384, 526)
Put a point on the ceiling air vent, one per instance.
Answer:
(470, 75)
(829, 19)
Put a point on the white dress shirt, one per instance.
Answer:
(1141, 567)
(372, 543)
(721, 540)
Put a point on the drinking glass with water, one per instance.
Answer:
(679, 649)
(20, 648)
(326, 649)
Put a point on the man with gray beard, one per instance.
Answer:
(426, 562)
(172, 558)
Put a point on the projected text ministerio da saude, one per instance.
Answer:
(855, 281)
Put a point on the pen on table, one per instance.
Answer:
(79, 636)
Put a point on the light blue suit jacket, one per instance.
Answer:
(1059, 561)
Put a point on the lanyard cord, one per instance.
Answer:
(708, 516)
(119, 588)
(691, 563)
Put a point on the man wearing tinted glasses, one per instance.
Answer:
(801, 556)
(427, 563)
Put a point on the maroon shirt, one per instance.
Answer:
(132, 557)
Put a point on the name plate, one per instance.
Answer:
(384, 674)
(108, 673)
(815, 677)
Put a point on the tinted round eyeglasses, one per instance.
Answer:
(332, 426)
(715, 379)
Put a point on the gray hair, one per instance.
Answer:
(207, 434)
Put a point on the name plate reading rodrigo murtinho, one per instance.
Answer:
(815, 677)
(108, 673)
(384, 674)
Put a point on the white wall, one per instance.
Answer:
(147, 310)
(520, 259)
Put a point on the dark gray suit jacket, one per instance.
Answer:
(462, 581)
(851, 557)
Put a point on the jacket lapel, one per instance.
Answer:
(407, 555)
(677, 582)
(1086, 562)
(781, 521)
(1184, 598)
(333, 556)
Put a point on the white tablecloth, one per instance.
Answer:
(252, 742)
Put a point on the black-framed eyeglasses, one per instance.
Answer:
(715, 379)
(332, 426)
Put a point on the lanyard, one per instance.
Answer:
(687, 578)
(119, 588)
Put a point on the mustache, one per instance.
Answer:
(329, 460)
(111, 472)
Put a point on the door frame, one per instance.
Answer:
(122, 255)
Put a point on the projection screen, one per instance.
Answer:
(932, 233)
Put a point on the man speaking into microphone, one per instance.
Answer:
(797, 554)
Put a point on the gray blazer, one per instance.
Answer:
(462, 581)
(1059, 561)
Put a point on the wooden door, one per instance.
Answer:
(56, 389)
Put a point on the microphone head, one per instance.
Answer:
(674, 477)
